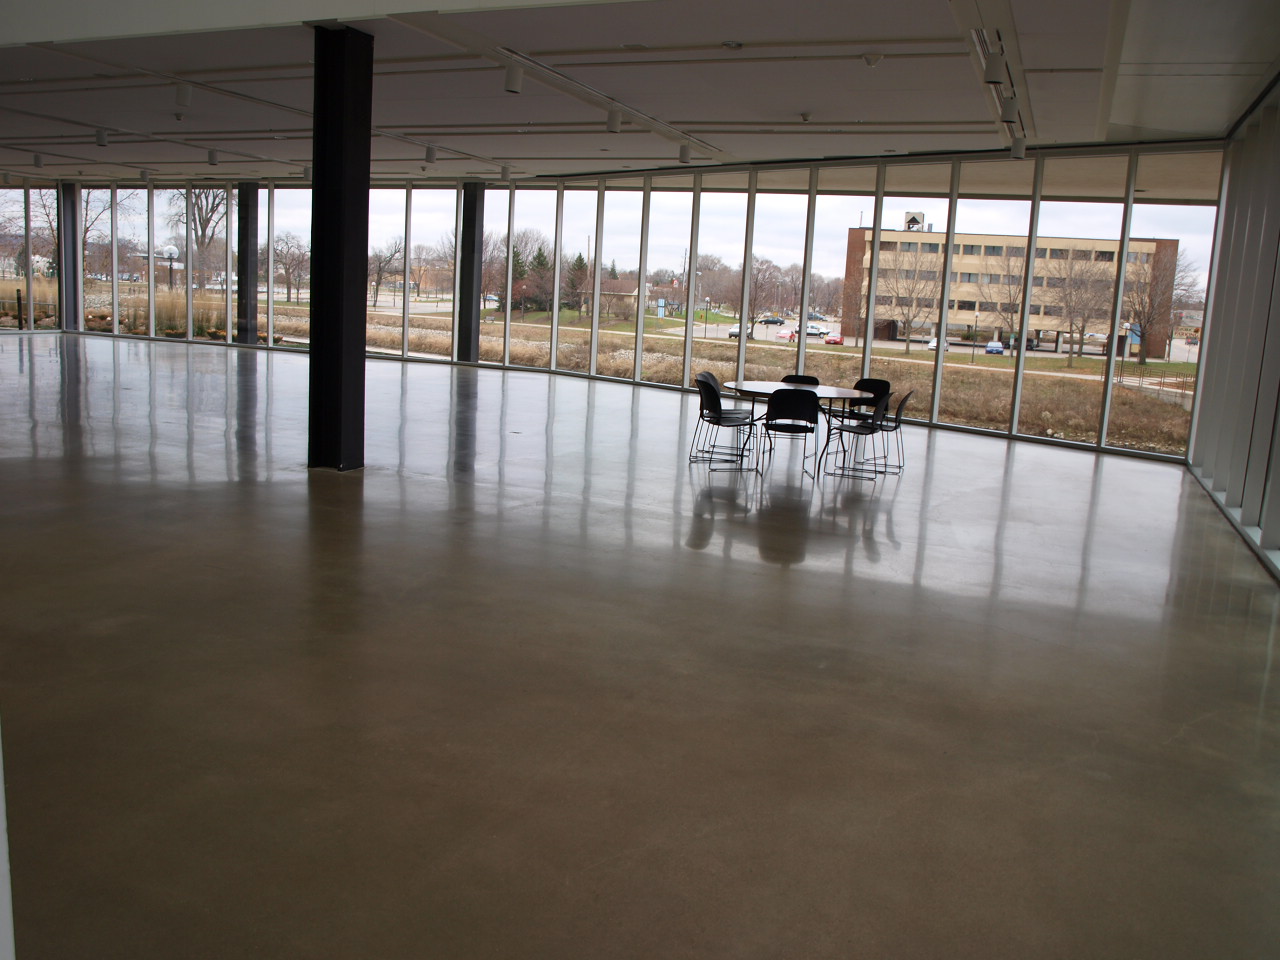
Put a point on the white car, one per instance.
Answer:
(933, 345)
(813, 330)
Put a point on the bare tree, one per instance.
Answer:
(208, 215)
(762, 285)
(1000, 290)
(908, 288)
(1078, 289)
(1152, 289)
(293, 262)
(384, 263)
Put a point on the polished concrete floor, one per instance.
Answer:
(530, 685)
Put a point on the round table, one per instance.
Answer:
(762, 389)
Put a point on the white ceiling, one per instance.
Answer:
(810, 79)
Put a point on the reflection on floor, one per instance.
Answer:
(531, 685)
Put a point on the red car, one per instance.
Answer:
(834, 337)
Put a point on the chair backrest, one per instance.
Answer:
(708, 377)
(801, 378)
(881, 388)
(709, 398)
(797, 405)
(881, 411)
(897, 416)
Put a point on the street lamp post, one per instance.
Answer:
(705, 311)
(973, 338)
(170, 252)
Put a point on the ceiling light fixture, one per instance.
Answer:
(306, 173)
(686, 155)
(182, 97)
(1009, 109)
(515, 78)
(871, 59)
(996, 72)
(614, 124)
(146, 176)
(1018, 151)
(37, 160)
(505, 173)
(102, 138)
(213, 158)
(431, 154)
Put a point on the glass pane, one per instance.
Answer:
(1071, 308)
(848, 180)
(837, 284)
(615, 355)
(777, 277)
(431, 273)
(577, 280)
(13, 258)
(717, 284)
(1161, 313)
(266, 286)
(293, 267)
(131, 264)
(384, 316)
(670, 214)
(209, 258)
(989, 253)
(170, 243)
(44, 257)
(493, 274)
(908, 292)
(533, 275)
(1085, 177)
(1179, 176)
(95, 214)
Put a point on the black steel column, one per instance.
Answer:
(470, 271)
(70, 257)
(339, 245)
(247, 263)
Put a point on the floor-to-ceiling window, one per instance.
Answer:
(578, 276)
(384, 303)
(431, 272)
(619, 283)
(666, 269)
(1073, 294)
(533, 277)
(291, 243)
(1162, 306)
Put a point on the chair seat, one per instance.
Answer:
(789, 427)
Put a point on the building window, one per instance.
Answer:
(1034, 310)
(1081, 255)
(987, 306)
(1015, 251)
(1037, 281)
(883, 301)
(1104, 256)
(1041, 252)
(1052, 311)
(889, 245)
(1057, 253)
(993, 250)
(929, 275)
(966, 305)
(930, 248)
(973, 249)
(969, 278)
(908, 246)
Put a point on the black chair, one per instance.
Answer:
(894, 425)
(878, 388)
(863, 431)
(792, 413)
(712, 418)
(801, 378)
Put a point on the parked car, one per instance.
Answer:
(772, 320)
(835, 337)
(813, 330)
(817, 316)
(995, 346)
(933, 345)
(735, 330)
